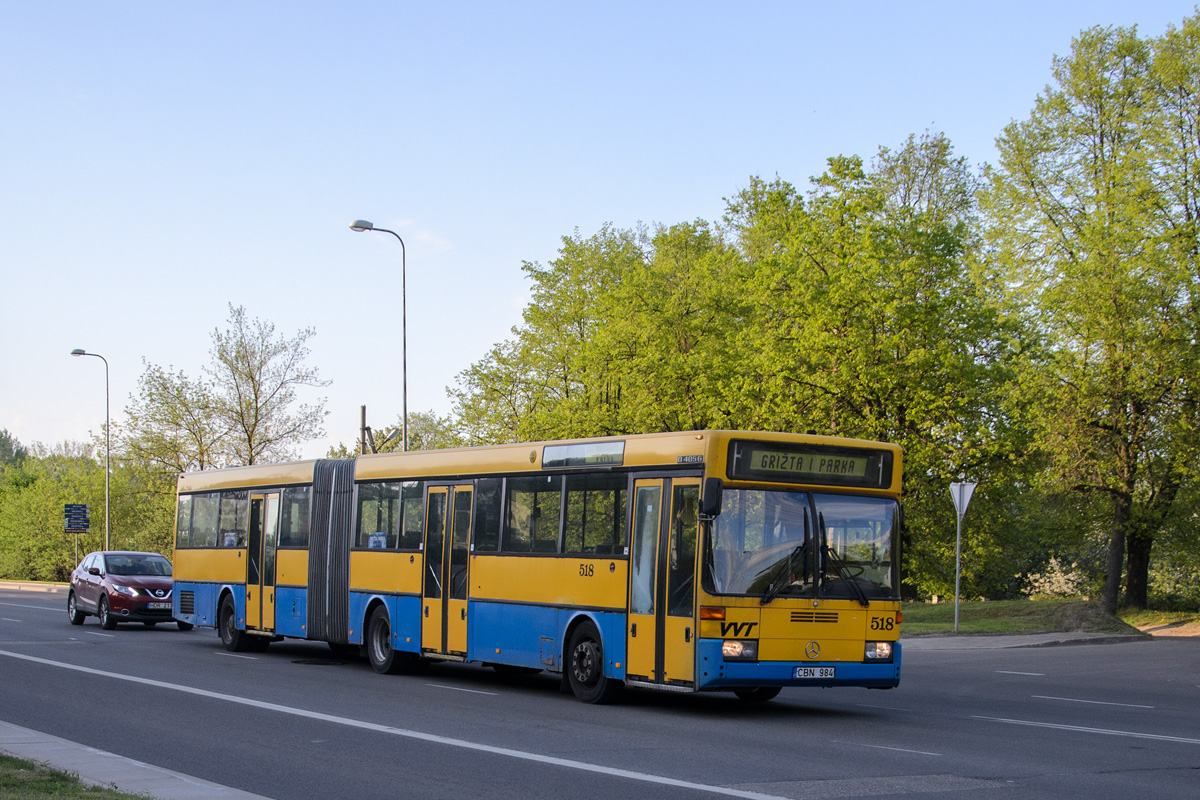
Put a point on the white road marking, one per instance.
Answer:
(457, 689)
(1080, 729)
(1033, 674)
(238, 655)
(1090, 702)
(98, 633)
(507, 752)
(897, 749)
(39, 608)
(9, 619)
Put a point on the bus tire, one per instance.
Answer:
(385, 659)
(585, 667)
(235, 641)
(759, 694)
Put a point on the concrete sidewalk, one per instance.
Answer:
(976, 641)
(111, 771)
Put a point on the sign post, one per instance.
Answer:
(76, 520)
(961, 494)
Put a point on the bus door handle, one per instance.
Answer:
(687, 634)
(427, 611)
(633, 631)
(464, 613)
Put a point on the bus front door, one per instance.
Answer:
(447, 543)
(660, 639)
(260, 564)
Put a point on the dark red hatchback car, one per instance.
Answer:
(122, 586)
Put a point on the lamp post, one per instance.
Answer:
(360, 225)
(107, 441)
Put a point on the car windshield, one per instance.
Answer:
(127, 564)
(774, 543)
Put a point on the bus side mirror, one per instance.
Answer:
(710, 502)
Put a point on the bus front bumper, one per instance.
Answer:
(713, 672)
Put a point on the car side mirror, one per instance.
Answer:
(93, 570)
(710, 501)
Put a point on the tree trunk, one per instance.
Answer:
(1116, 553)
(1137, 571)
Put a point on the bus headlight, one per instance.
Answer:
(879, 651)
(740, 649)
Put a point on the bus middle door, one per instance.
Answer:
(260, 566)
(660, 640)
(447, 557)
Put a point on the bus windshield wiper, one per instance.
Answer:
(784, 577)
(839, 566)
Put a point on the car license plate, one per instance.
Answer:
(816, 672)
(158, 606)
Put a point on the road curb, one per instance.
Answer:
(99, 768)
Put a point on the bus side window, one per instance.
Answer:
(487, 515)
(205, 510)
(595, 514)
(293, 520)
(532, 516)
(183, 522)
(412, 501)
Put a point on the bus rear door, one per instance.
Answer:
(447, 539)
(661, 637)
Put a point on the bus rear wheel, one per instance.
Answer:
(384, 658)
(759, 694)
(234, 640)
(585, 667)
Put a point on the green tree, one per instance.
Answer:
(245, 411)
(256, 375)
(870, 317)
(1102, 257)
(11, 450)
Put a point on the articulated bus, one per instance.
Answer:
(688, 562)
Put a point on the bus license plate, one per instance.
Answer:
(816, 672)
(158, 606)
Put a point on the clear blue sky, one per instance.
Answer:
(161, 160)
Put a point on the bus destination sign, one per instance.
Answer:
(591, 454)
(808, 463)
(813, 464)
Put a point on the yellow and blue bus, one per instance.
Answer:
(694, 561)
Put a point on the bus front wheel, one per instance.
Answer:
(759, 694)
(585, 667)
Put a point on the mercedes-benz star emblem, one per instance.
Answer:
(812, 649)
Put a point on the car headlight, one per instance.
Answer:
(740, 649)
(879, 651)
(125, 590)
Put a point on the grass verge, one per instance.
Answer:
(1013, 616)
(29, 780)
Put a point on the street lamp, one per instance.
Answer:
(360, 225)
(107, 441)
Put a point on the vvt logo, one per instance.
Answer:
(737, 628)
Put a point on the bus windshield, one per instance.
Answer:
(774, 543)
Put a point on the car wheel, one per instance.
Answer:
(184, 626)
(234, 640)
(759, 694)
(73, 613)
(107, 620)
(585, 667)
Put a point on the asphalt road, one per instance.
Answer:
(1091, 721)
